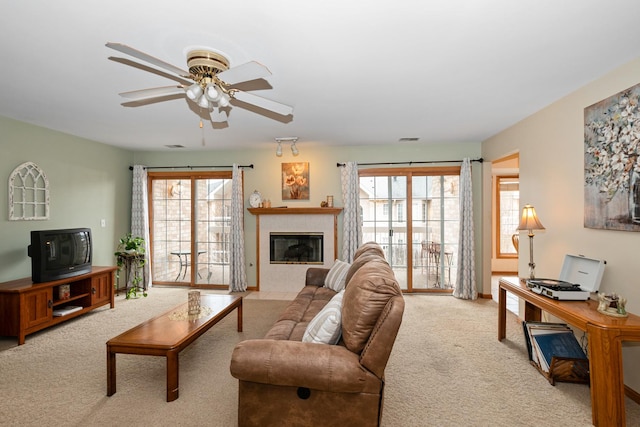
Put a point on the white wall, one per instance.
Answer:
(551, 147)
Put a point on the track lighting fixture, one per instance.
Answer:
(292, 140)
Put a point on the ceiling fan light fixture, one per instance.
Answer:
(212, 93)
(203, 102)
(224, 100)
(194, 92)
(294, 149)
(212, 76)
(279, 149)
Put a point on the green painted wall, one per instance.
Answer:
(88, 182)
(324, 175)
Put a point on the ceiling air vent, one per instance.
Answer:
(174, 146)
(410, 139)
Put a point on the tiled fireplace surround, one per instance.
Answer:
(290, 277)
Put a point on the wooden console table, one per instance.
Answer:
(605, 335)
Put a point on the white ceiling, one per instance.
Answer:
(356, 72)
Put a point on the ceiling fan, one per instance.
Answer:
(208, 81)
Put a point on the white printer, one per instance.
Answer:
(579, 278)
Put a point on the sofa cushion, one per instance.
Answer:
(365, 298)
(335, 279)
(359, 262)
(369, 247)
(324, 328)
(293, 321)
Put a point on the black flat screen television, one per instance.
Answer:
(60, 254)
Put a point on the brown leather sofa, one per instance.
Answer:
(286, 382)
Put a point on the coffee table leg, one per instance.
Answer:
(240, 316)
(172, 375)
(111, 372)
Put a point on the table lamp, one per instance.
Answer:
(530, 222)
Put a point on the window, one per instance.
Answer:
(507, 218)
(419, 238)
(190, 227)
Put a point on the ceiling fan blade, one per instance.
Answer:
(150, 69)
(137, 95)
(217, 115)
(147, 58)
(265, 103)
(244, 72)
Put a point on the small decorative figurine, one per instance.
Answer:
(612, 305)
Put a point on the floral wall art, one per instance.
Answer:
(295, 181)
(612, 162)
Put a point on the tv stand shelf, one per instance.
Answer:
(68, 300)
(27, 307)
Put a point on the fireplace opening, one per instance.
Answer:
(296, 248)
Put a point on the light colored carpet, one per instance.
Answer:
(447, 368)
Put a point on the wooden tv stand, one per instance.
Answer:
(27, 307)
(605, 336)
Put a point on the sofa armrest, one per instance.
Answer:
(299, 364)
(316, 276)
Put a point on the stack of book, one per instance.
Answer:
(555, 351)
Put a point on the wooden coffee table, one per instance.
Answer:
(168, 334)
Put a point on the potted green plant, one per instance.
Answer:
(130, 256)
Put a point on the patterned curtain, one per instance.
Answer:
(465, 287)
(140, 216)
(238, 275)
(352, 221)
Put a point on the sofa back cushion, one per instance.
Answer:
(369, 247)
(366, 295)
(356, 264)
(364, 254)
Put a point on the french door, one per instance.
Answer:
(190, 227)
(413, 213)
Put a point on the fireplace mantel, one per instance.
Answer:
(290, 277)
(295, 211)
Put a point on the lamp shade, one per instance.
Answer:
(203, 102)
(194, 92)
(224, 100)
(212, 93)
(529, 220)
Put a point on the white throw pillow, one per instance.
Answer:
(337, 274)
(326, 326)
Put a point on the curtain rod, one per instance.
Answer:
(192, 167)
(480, 160)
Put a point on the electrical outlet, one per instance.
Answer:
(103, 223)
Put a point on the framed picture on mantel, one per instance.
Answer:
(295, 181)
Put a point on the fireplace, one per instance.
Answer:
(296, 248)
(289, 277)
